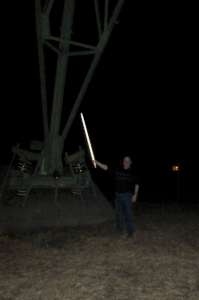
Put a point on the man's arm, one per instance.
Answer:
(136, 189)
(135, 195)
(101, 166)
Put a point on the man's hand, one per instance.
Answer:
(135, 195)
(100, 165)
(94, 162)
(134, 198)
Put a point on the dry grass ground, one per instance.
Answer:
(160, 263)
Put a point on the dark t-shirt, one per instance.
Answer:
(124, 180)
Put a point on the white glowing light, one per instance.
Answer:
(175, 168)
(88, 140)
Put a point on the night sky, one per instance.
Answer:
(142, 99)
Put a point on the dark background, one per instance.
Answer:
(142, 99)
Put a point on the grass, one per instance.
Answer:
(161, 262)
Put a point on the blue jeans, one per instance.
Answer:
(124, 213)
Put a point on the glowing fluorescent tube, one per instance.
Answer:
(88, 140)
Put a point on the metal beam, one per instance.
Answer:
(62, 64)
(74, 53)
(82, 53)
(53, 47)
(99, 26)
(55, 141)
(48, 6)
(54, 38)
(106, 6)
(78, 44)
(100, 48)
(42, 75)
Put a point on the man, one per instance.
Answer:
(126, 191)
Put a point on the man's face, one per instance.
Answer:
(126, 162)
